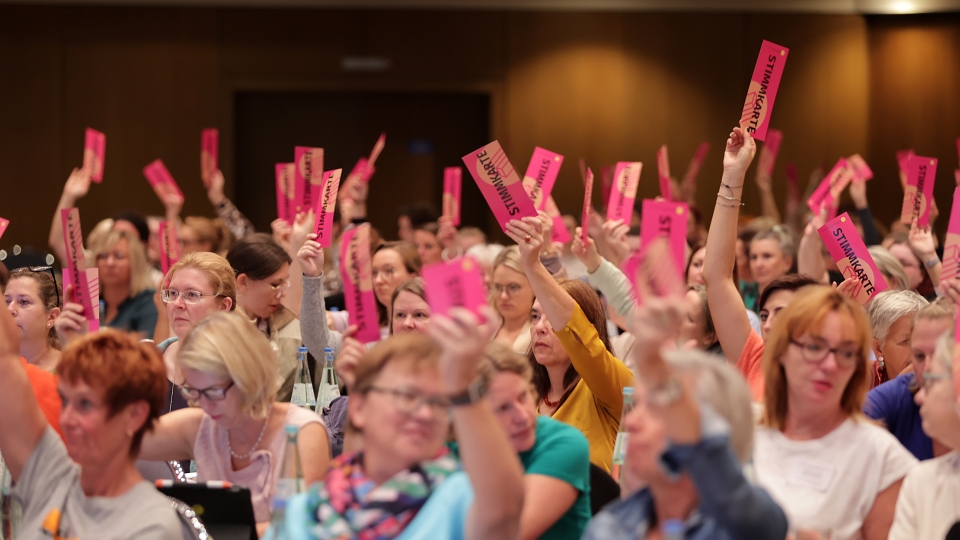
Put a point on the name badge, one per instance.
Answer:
(810, 474)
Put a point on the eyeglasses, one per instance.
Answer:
(386, 272)
(407, 402)
(47, 269)
(512, 289)
(170, 296)
(815, 351)
(212, 394)
(928, 378)
(280, 288)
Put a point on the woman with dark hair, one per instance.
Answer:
(33, 297)
(428, 245)
(576, 378)
(393, 263)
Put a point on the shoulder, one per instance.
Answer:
(285, 323)
(144, 297)
(554, 433)
(863, 431)
(300, 417)
(156, 516)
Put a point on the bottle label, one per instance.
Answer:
(328, 393)
(300, 395)
(620, 448)
(286, 488)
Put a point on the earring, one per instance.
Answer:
(129, 433)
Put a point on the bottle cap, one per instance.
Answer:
(327, 350)
(302, 349)
(672, 527)
(628, 390)
(291, 429)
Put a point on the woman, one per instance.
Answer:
(893, 402)
(555, 456)
(197, 286)
(33, 297)
(891, 319)
(694, 270)
(511, 297)
(929, 501)
(236, 434)
(577, 378)
(409, 310)
(404, 483)
(772, 252)
(697, 327)
(917, 254)
(202, 234)
(262, 269)
(830, 469)
(126, 291)
(393, 263)
(890, 268)
(428, 246)
(85, 486)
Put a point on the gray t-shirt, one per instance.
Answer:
(50, 484)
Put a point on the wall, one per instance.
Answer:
(601, 86)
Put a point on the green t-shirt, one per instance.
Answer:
(562, 452)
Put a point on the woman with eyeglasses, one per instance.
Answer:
(512, 297)
(33, 298)
(236, 432)
(262, 268)
(832, 470)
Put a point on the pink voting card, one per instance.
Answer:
(325, 206)
(452, 191)
(455, 283)
(861, 171)
(357, 174)
(852, 258)
(541, 175)
(663, 173)
(623, 194)
(286, 191)
(830, 187)
(374, 154)
(902, 157)
(76, 261)
(169, 246)
(209, 154)
(769, 151)
(667, 220)
(560, 233)
(500, 184)
(918, 193)
(951, 247)
(356, 272)
(696, 163)
(587, 206)
(94, 152)
(307, 177)
(758, 106)
(161, 180)
(93, 283)
(956, 176)
(4, 223)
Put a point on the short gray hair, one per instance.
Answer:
(889, 265)
(725, 390)
(788, 246)
(889, 307)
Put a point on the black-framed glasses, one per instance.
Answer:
(407, 402)
(814, 351)
(170, 296)
(47, 269)
(211, 393)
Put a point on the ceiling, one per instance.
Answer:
(794, 6)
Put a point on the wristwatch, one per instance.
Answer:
(469, 396)
(666, 394)
(931, 263)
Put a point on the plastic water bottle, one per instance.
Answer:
(329, 384)
(303, 384)
(289, 484)
(620, 448)
(673, 530)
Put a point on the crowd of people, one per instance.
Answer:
(754, 398)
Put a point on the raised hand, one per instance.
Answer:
(302, 227)
(349, 358)
(921, 242)
(588, 253)
(71, 323)
(311, 257)
(858, 192)
(463, 337)
(615, 236)
(447, 234)
(77, 186)
(173, 204)
(739, 152)
(214, 184)
(281, 233)
(528, 234)
(546, 226)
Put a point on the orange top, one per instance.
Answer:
(750, 365)
(44, 386)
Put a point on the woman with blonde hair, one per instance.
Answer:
(891, 319)
(236, 433)
(830, 469)
(203, 234)
(890, 268)
(511, 297)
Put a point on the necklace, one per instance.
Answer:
(551, 404)
(252, 448)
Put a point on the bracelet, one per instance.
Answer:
(730, 187)
(731, 199)
(446, 257)
(931, 263)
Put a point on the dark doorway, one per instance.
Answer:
(425, 133)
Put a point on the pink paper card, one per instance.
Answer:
(541, 175)
(455, 283)
(500, 184)
(307, 177)
(831, 186)
(4, 223)
(902, 157)
(696, 163)
(161, 180)
(918, 193)
(286, 191)
(356, 272)
(94, 152)
(169, 246)
(452, 190)
(93, 282)
(667, 220)
(374, 154)
(76, 261)
(852, 258)
(326, 204)
(758, 106)
(951, 247)
(956, 176)
(769, 151)
(357, 174)
(587, 206)
(560, 233)
(861, 171)
(629, 267)
(663, 172)
(209, 154)
(623, 195)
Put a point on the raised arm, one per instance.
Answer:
(765, 185)
(22, 422)
(723, 297)
(605, 276)
(231, 216)
(314, 330)
(924, 247)
(809, 256)
(557, 305)
(488, 458)
(172, 436)
(78, 184)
